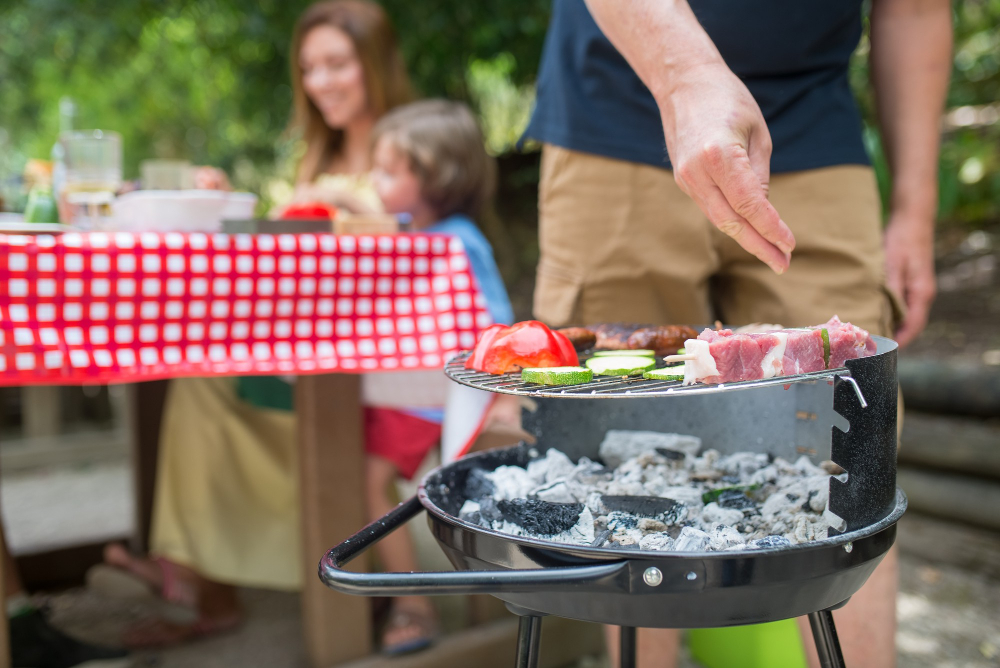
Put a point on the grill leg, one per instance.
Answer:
(529, 632)
(628, 647)
(825, 635)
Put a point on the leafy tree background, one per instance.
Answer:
(207, 81)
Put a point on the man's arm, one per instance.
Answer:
(716, 136)
(910, 65)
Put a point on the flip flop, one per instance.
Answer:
(171, 602)
(401, 619)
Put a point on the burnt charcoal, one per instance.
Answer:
(477, 485)
(735, 499)
(602, 538)
(653, 507)
(488, 509)
(540, 517)
(806, 507)
(622, 520)
(671, 454)
(769, 542)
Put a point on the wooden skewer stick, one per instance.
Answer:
(679, 358)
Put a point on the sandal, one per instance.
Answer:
(156, 633)
(401, 619)
(175, 600)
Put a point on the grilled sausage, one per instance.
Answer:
(581, 337)
(664, 339)
(613, 335)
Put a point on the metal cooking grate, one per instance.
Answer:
(614, 386)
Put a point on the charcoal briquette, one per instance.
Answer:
(540, 517)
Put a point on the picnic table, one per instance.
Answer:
(124, 308)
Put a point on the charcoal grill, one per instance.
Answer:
(847, 415)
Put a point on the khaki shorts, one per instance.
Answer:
(620, 242)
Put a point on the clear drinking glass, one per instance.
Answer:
(93, 174)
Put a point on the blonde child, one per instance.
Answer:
(430, 164)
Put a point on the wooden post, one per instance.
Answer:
(6, 564)
(41, 406)
(145, 403)
(331, 454)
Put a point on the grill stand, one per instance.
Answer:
(627, 652)
(331, 572)
(529, 631)
(827, 643)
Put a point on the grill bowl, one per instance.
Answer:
(697, 589)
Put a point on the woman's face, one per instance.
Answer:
(333, 77)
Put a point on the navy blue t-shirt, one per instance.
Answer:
(791, 54)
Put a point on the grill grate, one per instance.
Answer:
(614, 386)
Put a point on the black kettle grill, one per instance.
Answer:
(787, 416)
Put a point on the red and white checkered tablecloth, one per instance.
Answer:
(80, 308)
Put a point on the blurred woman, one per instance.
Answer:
(226, 509)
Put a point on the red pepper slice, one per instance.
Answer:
(309, 211)
(525, 344)
(567, 349)
(475, 360)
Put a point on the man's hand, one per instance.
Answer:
(721, 153)
(716, 137)
(909, 269)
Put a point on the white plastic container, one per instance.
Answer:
(179, 210)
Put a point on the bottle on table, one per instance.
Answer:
(42, 206)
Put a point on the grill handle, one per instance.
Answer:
(333, 575)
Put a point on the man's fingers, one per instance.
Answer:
(759, 153)
(722, 215)
(740, 184)
(917, 312)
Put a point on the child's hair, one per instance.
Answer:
(445, 148)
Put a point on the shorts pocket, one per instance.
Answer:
(557, 294)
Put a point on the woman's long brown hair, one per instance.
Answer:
(386, 82)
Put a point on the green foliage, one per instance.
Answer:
(505, 108)
(207, 80)
(969, 169)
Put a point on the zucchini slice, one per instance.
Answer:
(557, 375)
(675, 372)
(624, 353)
(620, 366)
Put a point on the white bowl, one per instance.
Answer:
(179, 210)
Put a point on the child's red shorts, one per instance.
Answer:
(401, 438)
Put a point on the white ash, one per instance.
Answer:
(713, 514)
(692, 540)
(621, 445)
(741, 501)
